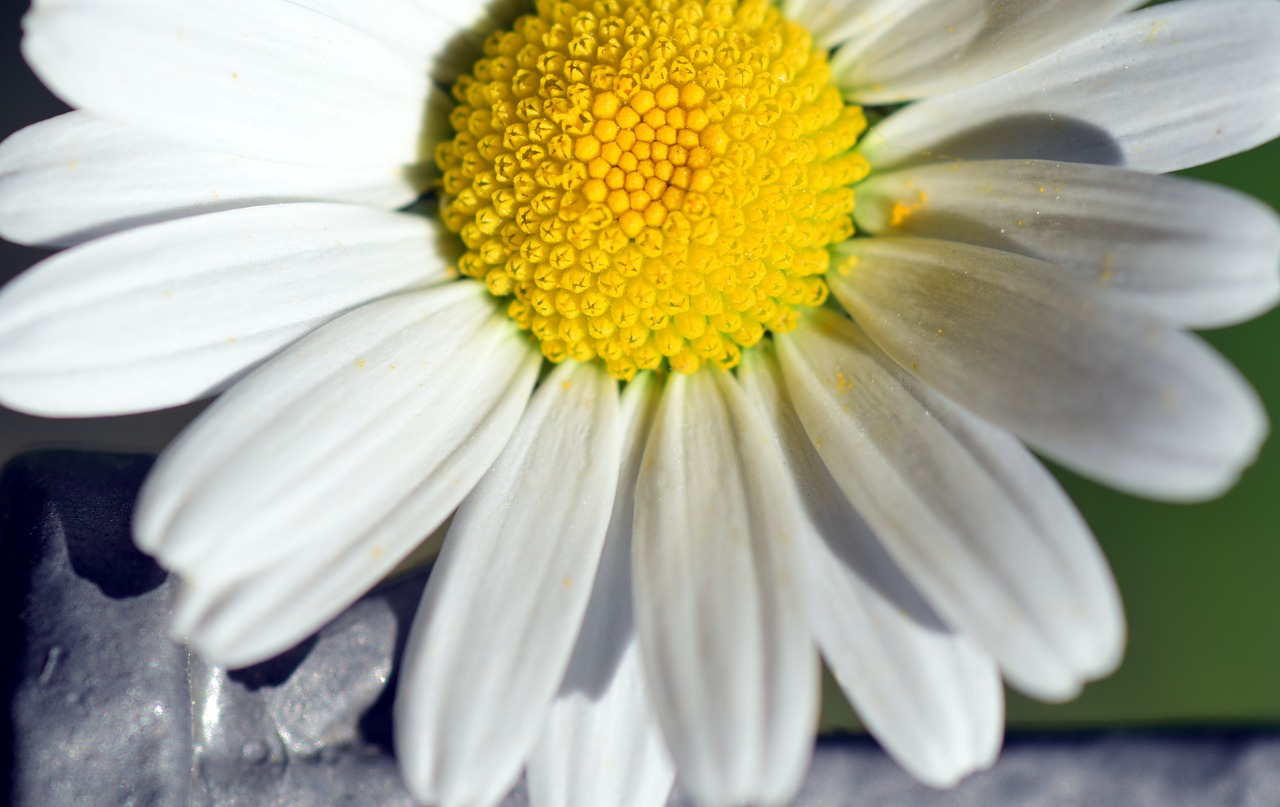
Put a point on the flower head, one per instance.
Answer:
(692, 429)
(655, 187)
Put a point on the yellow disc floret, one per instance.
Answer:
(651, 181)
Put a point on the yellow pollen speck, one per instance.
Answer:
(905, 210)
(1108, 272)
(651, 183)
(847, 265)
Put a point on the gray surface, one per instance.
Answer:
(298, 741)
(1093, 770)
(100, 687)
(105, 711)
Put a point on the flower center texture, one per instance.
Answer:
(651, 182)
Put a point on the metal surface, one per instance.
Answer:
(106, 711)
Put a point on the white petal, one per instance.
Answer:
(932, 697)
(266, 79)
(1104, 387)
(170, 313)
(833, 21)
(478, 18)
(1194, 253)
(310, 480)
(719, 602)
(1160, 89)
(892, 51)
(973, 519)
(493, 636)
(601, 744)
(448, 43)
(74, 178)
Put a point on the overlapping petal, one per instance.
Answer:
(506, 598)
(266, 79)
(1158, 90)
(76, 177)
(719, 598)
(601, 744)
(931, 696)
(167, 314)
(1106, 388)
(294, 493)
(1195, 253)
(898, 50)
(972, 518)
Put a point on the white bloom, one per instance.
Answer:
(635, 581)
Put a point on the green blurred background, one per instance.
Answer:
(1198, 581)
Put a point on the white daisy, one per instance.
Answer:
(638, 576)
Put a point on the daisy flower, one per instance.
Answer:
(719, 353)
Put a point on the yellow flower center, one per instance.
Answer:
(651, 181)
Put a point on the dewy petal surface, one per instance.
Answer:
(505, 601)
(719, 598)
(897, 50)
(931, 696)
(1158, 90)
(265, 79)
(76, 177)
(1195, 253)
(601, 744)
(293, 493)
(1106, 388)
(173, 312)
(972, 518)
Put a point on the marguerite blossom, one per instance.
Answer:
(719, 356)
